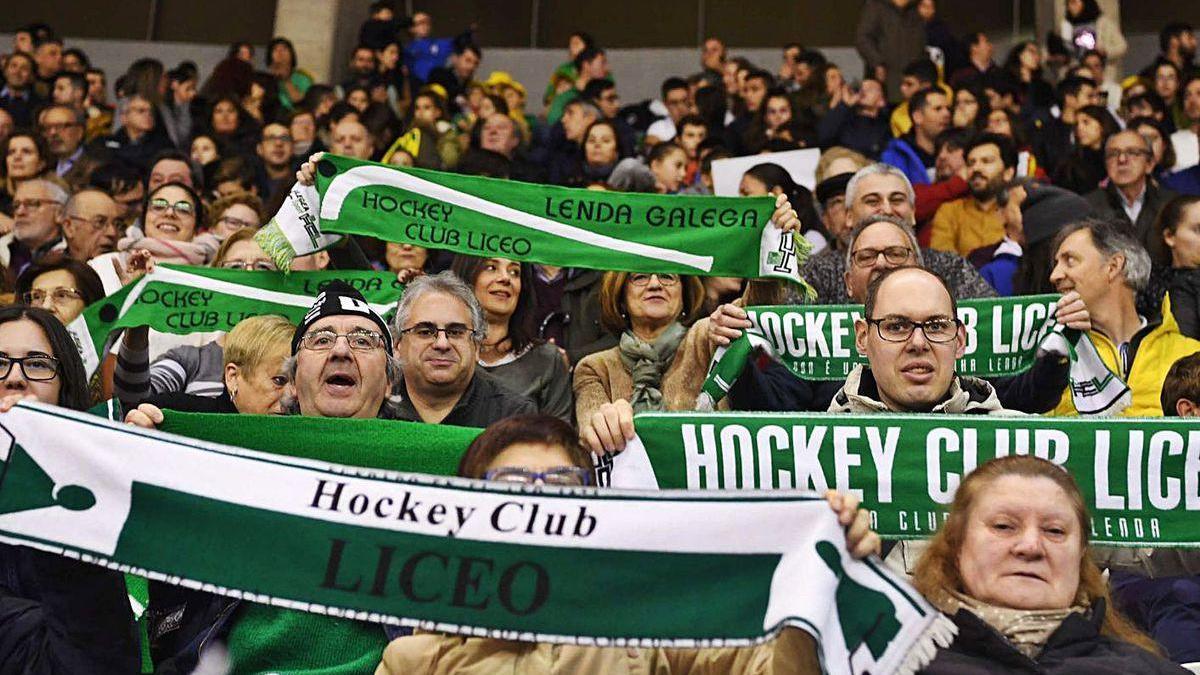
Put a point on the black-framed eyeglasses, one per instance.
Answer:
(428, 332)
(181, 208)
(359, 340)
(36, 368)
(895, 255)
(640, 279)
(900, 329)
(572, 476)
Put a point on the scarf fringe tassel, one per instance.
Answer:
(939, 635)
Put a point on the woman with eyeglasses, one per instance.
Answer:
(192, 368)
(512, 351)
(56, 615)
(651, 313)
(60, 285)
(544, 450)
(235, 212)
(170, 233)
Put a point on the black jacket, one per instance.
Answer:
(1106, 202)
(844, 126)
(768, 386)
(61, 616)
(1077, 647)
(485, 400)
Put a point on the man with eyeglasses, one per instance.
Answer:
(63, 128)
(138, 140)
(883, 189)
(275, 155)
(439, 326)
(879, 244)
(1131, 196)
(93, 224)
(911, 337)
(341, 365)
(37, 224)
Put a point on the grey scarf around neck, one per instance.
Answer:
(646, 362)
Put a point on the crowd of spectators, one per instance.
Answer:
(944, 175)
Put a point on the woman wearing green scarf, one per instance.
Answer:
(651, 312)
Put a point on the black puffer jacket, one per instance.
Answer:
(1076, 648)
(59, 617)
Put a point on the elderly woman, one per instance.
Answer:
(543, 450)
(511, 351)
(60, 285)
(651, 313)
(1016, 576)
(194, 369)
(56, 615)
(252, 377)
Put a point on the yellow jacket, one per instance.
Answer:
(1156, 347)
(960, 226)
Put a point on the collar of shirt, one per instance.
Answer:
(1124, 348)
(1133, 208)
(9, 93)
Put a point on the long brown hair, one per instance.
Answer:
(937, 571)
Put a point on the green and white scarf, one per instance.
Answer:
(488, 217)
(182, 299)
(1140, 477)
(1004, 337)
(614, 568)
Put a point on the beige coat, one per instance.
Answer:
(601, 377)
(435, 654)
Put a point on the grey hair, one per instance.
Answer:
(446, 282)
(391, 403)
(588, 108)
(57, 192)
(883, 218)
(1145, 141)
(1110, 238)
(878, 169)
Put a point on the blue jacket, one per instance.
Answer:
(901, 155)
(1186, 182)
(422, 56)
(999, 273)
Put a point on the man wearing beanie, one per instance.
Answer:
(341, 365)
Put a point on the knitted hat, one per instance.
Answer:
(338, 299)
(832, 187)
(1046, 209)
